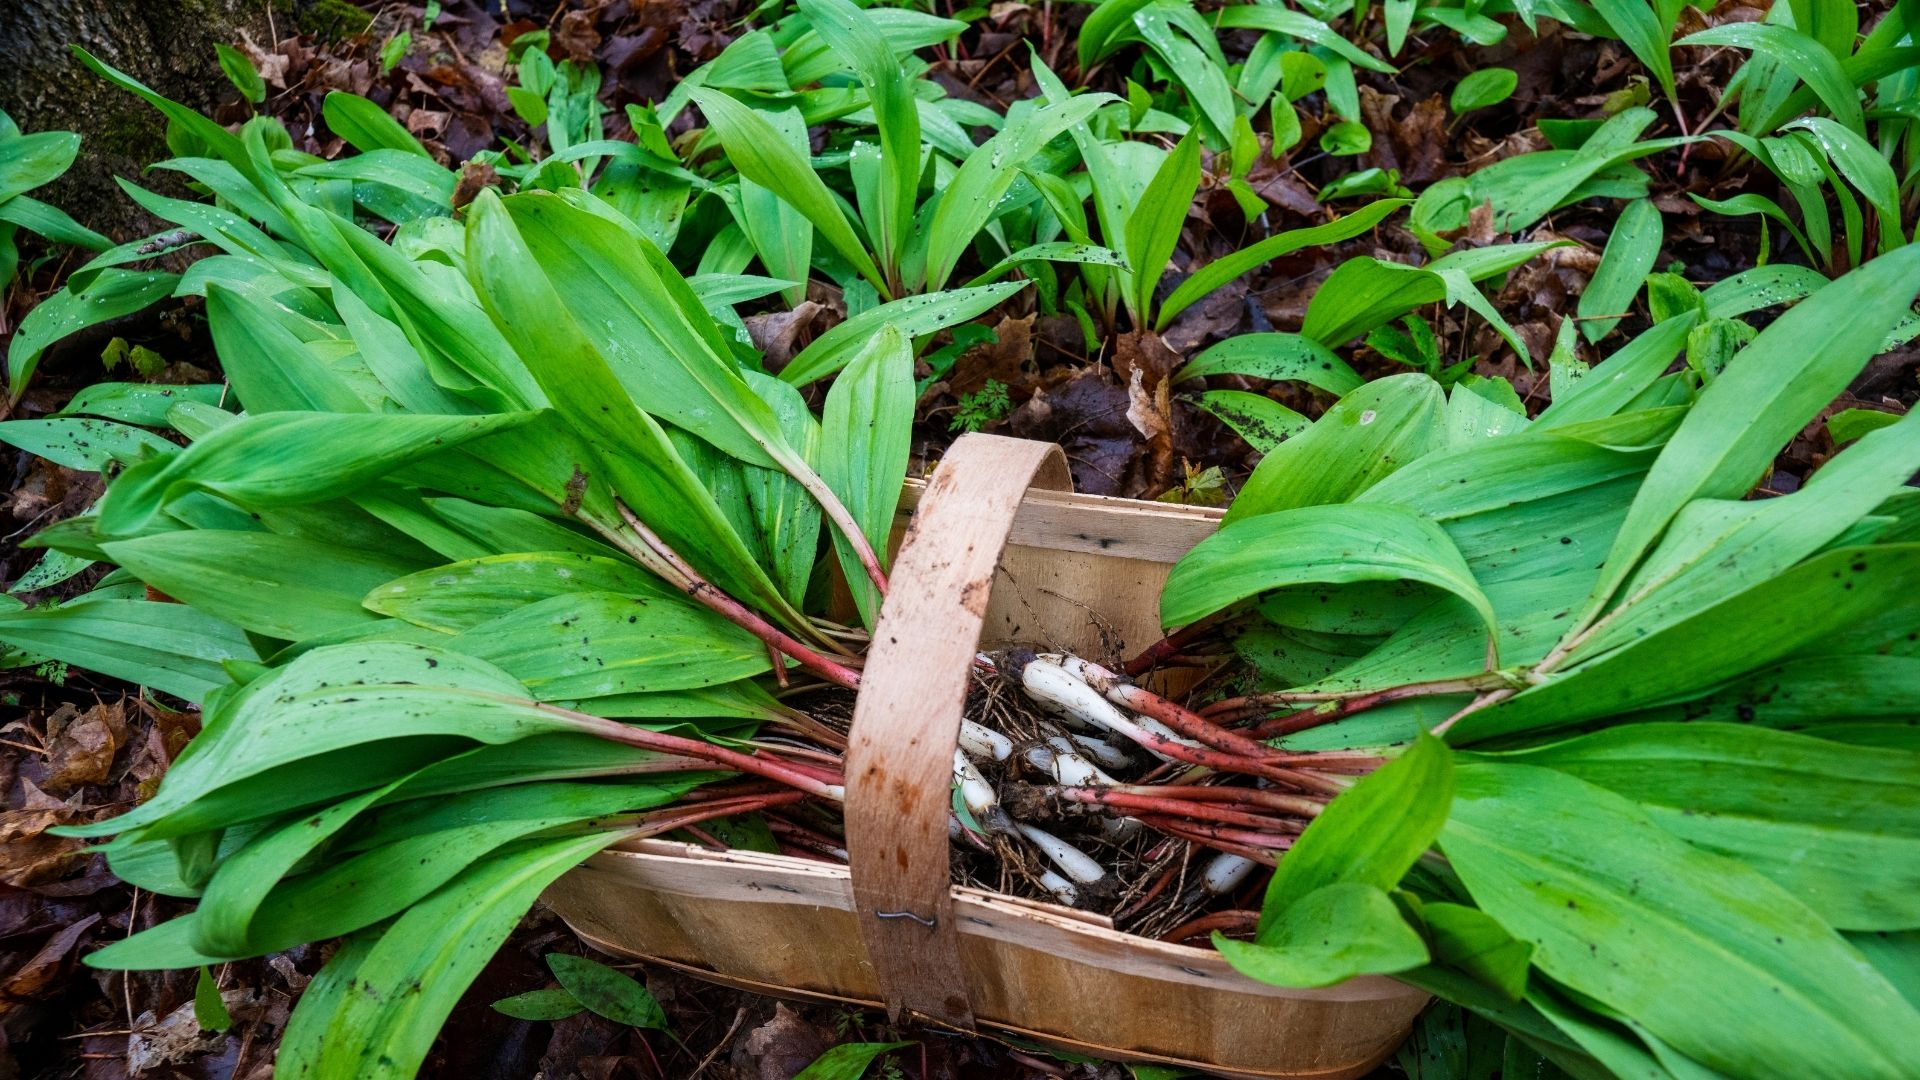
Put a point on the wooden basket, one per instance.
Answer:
(983, 559)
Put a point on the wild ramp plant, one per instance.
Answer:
(28, 162)
(1629, 667)
(1827, 111)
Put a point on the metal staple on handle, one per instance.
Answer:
(923, 920)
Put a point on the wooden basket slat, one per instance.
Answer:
(1081, 573)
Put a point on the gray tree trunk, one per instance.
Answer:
(167, 44)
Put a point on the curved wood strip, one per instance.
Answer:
(906, 722)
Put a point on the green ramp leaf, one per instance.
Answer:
(1756, 982)
(1318, 545)
(1837, 826)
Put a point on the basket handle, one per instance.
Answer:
(906, 721)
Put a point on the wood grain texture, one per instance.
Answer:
(906, 721)
(782, 925)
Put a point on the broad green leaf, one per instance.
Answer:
(1471, 941)
(563, 756)
(1363, 293)
(613, 994)
(367, 126)
(1473, 416)
(403, 373)
(404, 984)
(550, 1004)
(1345, 139)
(1716, 547)
(183, 123)
(1106, 26)
(589, 644)
(1301, 26)
(1444, 641)
(1860, 162)
(1620, 1047)
(1848, 425)
(1897, 957)
(462, 595)
(209, 1010)
(974, 196)
(51, 222)
(273, 368)
(1487, 86)
(861, 45)
(1621, 379)
(1327, 936)
(1370, 834)
(1263, 422)
(912, 316)
(241, 880)
(781, 235)
(30, 161)
(288, 459)
(441, 315)
(1816, 694)
(1051, 251)
(1798, 53)
(53, 568)
(1749, 203)
(1524, 1020)
(1316, 545)
(1646, 31)
(1365, 436)
(866, 435)
(1772, 389)
(810, 59)
(1191, 55)
(342, 697)
(1760, 287)
(1604, 895)
(280, 586)
(170, 647)
(786, 516)
(86, 445)
(1629, 257)
(241, 73)
(755, 148)
(110, 295)
(1525, 188)
(308, 784)
(1524, 507)
(144, 404)
(624, 301)
(1279, 357)
(330, 989)
(1225, 269)
(1153, 227)
(1837, 826)
(396, 859)
(631, 450)
(847, 1061)
(1840, 592)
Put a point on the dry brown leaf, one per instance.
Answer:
(82, 746)
(777, 334)
(1004, 360)
(781, 1047)
(30, 979)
